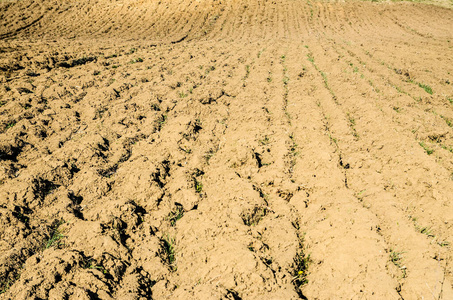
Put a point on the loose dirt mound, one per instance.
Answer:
(225, 150)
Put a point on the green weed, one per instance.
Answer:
(301, 264)
(447, 120)
(444, 244)
(136, 60)
(55, 237)
(450, 149)
(88, 264)
(198, 186)
(426, 148)
(396, 259)
(427, 231)
(167, 253)
(209, 155)
(175, 215)
(294, 145)
(285, 80)
(162, 119)
(352, 125)
(5, 286)
(426, 87)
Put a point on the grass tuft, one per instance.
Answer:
(168, 254)
(56, 236)
(301, 264)
(175, 215)
(426, 87)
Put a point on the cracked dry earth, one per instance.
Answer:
(226, 150)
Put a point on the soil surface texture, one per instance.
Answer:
(226, 149)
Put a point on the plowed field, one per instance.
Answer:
(226, 149)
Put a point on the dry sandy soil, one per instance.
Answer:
(226, 149)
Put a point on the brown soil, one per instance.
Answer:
(233, 149)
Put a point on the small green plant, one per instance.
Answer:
(136, 60)
(56, 236)
(162, 119)
(131, 51)
(186, 150)
(334, 140)
(310, 58)
(400, 90)
(450, 100)
(167, 253)
(10, 125)
(182, 95)
(450, 149)
(426, 87)
(351, 120)
(100, 268)
(427, 231)
(5, 286)
(426, 148)
(397, 109)
(285, 80)
(88, 264)
(209, 155)
(444, 243)
(198, 186)
(114, 66)
(175, 215)
(448, 121)
(283, 57)
(301, 264)
(396, 259)
(352, 125)
(294, 145)
(2, 103)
